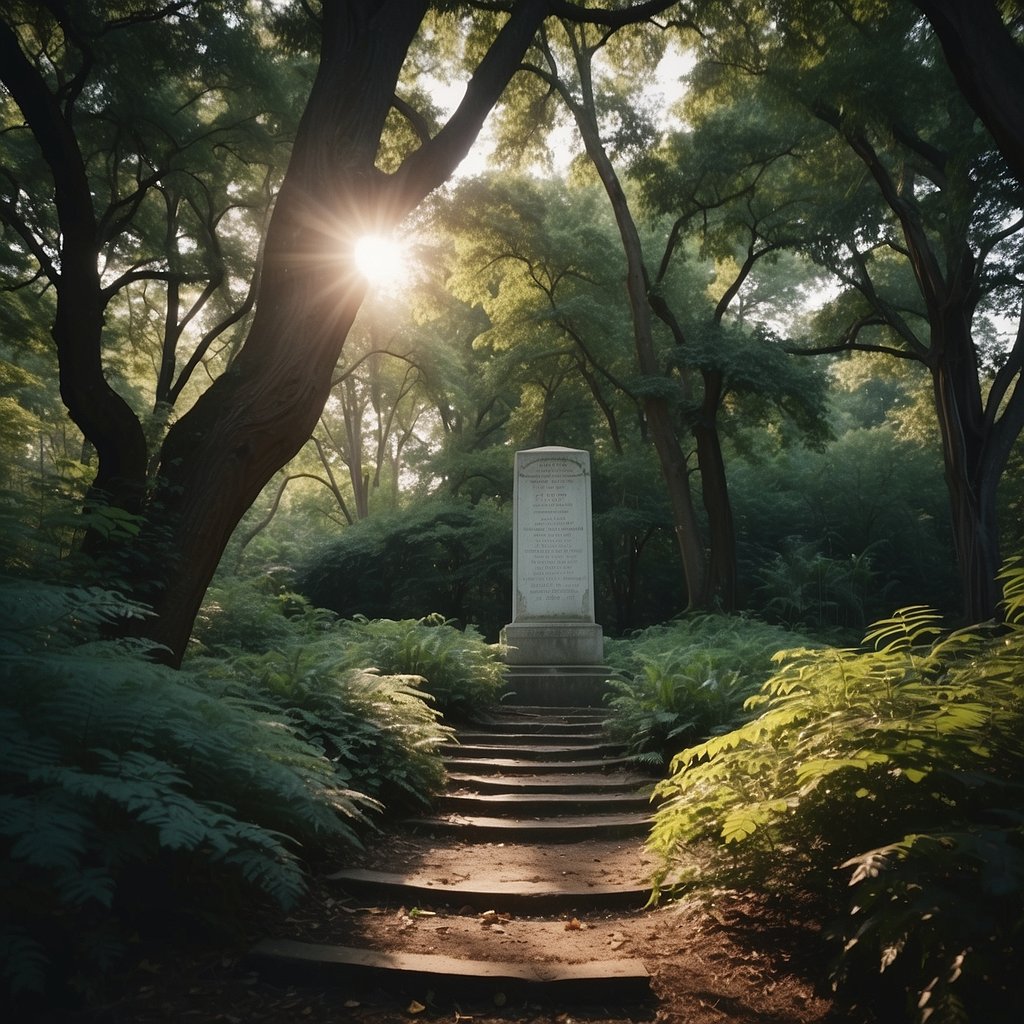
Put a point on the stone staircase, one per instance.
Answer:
(540, 808)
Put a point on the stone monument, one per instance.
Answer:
(554, 646)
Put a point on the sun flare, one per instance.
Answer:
(381, 260)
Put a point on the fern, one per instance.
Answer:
(903, 761)
(461, 673)
(111, 764)
(379, 733)
(676, 684)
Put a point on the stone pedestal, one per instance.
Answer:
(553, 643)
(578, 686)
(553, 625)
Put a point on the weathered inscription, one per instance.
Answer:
(553, 536)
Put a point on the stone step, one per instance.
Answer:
(544, 897)
(546, 830)
(529, 752)
(556, 686)
(550, 713)
(535, 726)
(531, 739)
(562, 782)
(593, 981)
(510, 765)
(542, 804)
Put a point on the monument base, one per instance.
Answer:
(553, 643)
(576, 686)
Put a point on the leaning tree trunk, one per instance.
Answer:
(217, 458)
(658, 409)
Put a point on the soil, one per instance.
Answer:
(739, 960)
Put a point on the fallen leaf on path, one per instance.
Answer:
(415, 1007)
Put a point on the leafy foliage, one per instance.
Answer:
(904, 761)
(684, 681)
(804, 587)
(379, 732)
(123, 781)
(294, 652)
(440, 555)
(255, 615)
(461, 672)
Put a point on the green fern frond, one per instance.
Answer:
(909, 627)
(921, 728)
(23, 959)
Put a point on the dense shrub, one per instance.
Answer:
(380, 733)
(255, 615)
(461, 672)
(902, 762)
(441, 555)
(683, 681)
(123, 783)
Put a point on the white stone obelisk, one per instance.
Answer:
(553, 562)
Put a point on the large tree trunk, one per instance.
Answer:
(970, 484)
(103, 416)
(988, 65)
(254, 418)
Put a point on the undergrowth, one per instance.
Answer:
(889, 781)
(131, 793)
(380, 733)
(460, 670)
(676, 683)
(128, 788)
(459, 673)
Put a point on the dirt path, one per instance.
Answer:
(545, 922)
(456, 889)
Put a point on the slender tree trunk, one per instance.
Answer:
(720, 588)
(659, 414)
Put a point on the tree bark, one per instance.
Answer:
(720, 587)
(103, 416)
(254, 418)
(988, 65)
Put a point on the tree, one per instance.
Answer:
(577, 91)
(685, 388)
(987, 61)
(217, 456)
(912, 211)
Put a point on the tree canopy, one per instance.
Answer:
(184, 185)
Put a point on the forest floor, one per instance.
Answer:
(739, 960)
